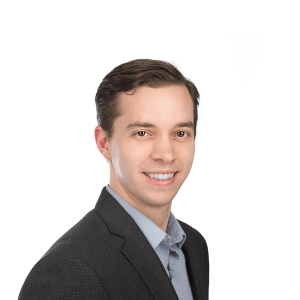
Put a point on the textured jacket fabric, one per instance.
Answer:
(106, 256)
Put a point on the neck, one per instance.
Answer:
(159, 215)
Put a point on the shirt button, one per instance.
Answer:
(165, 238)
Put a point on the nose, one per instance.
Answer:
(164, 150)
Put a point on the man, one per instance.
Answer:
(130, 246)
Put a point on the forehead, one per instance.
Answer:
(165, 105)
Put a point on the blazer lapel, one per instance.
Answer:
(136, 248)
(193, 267)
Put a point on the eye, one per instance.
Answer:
(141, 133)
(181, 134)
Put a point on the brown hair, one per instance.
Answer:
(131, 75)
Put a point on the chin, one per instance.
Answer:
(154, 196)
(158, 199)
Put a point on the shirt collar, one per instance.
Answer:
(175, 231)
(151, 231)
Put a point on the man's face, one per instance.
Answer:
(154, 137)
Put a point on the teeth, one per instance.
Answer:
(160, 176)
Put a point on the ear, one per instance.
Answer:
(102, 142)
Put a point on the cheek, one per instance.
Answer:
(187, 154)
(116, 158)
(127, 159)
(136, 152)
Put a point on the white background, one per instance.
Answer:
(243, 191)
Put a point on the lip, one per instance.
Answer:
(161, 172)
(162, 183)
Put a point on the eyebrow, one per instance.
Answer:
(149, 125)
(185, 124)
(140, 124)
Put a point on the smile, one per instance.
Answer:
(160, 176)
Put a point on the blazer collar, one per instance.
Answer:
(136, 248)
(193, 266)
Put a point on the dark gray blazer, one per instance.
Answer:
(106, 256)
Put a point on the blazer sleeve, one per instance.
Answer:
(64, 278)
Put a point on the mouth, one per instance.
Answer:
(160, 176)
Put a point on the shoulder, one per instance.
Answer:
(88, 233)
(192, 232)
(195, 236)
(67, 266)
(61, 276)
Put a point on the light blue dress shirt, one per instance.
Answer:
(167, 246)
